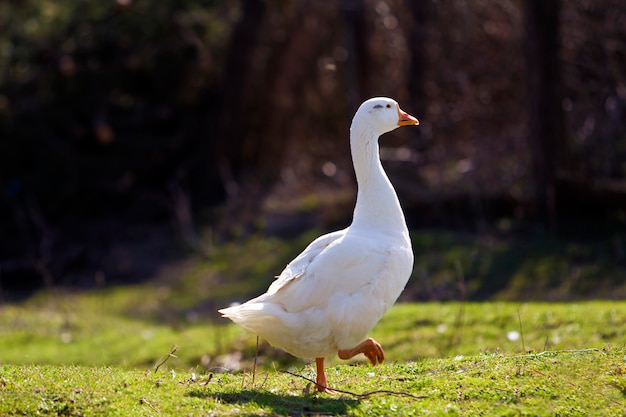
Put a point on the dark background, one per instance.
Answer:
(130, 129)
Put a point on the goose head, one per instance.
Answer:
(382, 115)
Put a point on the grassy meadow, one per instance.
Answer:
(159, 348)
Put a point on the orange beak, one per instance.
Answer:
(405, 119)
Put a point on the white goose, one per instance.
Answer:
(331, 295)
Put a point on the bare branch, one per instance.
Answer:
(364, 394)
(164, 359)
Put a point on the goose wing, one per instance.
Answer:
(297, 268)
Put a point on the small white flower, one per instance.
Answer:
(513, 336)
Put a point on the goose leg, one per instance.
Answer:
(370, 348)
(322, 386)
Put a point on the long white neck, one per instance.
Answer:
(377, 206)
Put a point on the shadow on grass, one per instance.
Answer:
(282, 404)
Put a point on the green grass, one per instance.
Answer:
(456, 266)
(94, 353)
(120, 327)
(578, 383)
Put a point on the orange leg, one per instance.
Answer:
(322, 386)
(370, 348)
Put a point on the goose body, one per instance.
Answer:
(331, 295)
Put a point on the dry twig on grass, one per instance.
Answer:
(556, 352)
(364, 394)
(164, 359)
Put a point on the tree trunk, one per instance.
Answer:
(546, 130)
(417, 36)
(358, 64)
(232, 126)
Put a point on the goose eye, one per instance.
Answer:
(388, 106)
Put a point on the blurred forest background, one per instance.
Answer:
(136, 132)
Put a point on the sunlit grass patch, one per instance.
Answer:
(95, 353)
(587, 382)
(89, 354)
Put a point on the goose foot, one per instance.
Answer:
(370, 348)
(320, 380)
